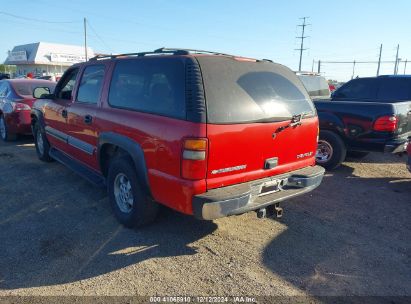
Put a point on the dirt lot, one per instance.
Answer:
(352, 236)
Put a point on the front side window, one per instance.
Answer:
(154, 85)
(65, 89)
(91, 83)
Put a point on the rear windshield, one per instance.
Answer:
(316, 86)
(244, 92)
(26, 88)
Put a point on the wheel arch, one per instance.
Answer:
(331, 122)
(111, 145)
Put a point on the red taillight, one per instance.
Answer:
(386, 124)
(194, 158)
(21, 106)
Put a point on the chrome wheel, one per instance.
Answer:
(123, 193)
(40, 142)
(324, 152)
(3, 132)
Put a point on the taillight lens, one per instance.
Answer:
(386, 124)
(12, 106)
(194, 162)
(21, 106)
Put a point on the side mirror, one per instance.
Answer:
(42, 93)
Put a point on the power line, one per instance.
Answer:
(35, 20)
(301, 49)
(99, 37)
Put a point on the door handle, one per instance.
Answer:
(64, 113)
(88, 119)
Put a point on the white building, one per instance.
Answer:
(44, 58)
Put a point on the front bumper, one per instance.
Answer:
(246, 197)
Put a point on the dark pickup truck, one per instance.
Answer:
(364, 115)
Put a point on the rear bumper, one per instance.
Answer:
(396, 147)
(246, 197)
(19, 122)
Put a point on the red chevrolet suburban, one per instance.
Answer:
(204, 133)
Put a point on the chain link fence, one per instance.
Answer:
(346, 70)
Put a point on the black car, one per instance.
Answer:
(364, 115)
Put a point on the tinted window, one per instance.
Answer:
(91, 84)
(394, 89)
(316, 86)
(66, 86)
(153, 85)
(361, 89)
(241, 91)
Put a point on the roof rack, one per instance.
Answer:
(172, 51)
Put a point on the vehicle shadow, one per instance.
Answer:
(349, 238)
(56, 228)
(376, 158)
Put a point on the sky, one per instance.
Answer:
(338, 31)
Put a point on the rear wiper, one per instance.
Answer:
(295, 121)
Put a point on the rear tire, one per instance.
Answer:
(357, 154)
(331, 150)
(130, 203)
(5, 135)
(41, 143)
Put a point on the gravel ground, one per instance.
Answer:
(351, 236)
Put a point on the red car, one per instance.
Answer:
(16, 100)
(206, 134)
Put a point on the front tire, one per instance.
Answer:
(130, 203)
(5, 135)
(331, 150)
(41, 143)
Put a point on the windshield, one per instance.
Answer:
(242, 91)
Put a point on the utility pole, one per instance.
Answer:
(312, 67)
(353, 70)
(405, 67)
(379, 61)
(319, 66)
(396, 61)
(301, 49)
(85, 38)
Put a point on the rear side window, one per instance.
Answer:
(394, 89)
(152, 85)
(245, 92)
(358, 89)
(91, 83)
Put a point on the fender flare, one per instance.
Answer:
(39, 118)
(132, 148)
(331, 122)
